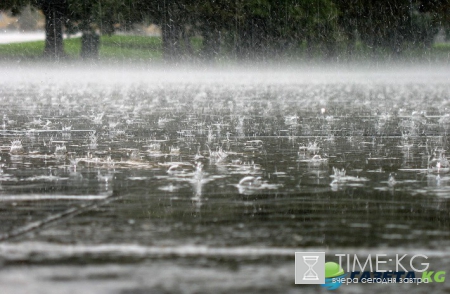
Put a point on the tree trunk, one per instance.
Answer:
(186, 36)
(309, 46)
(90, 42)
(351, 44)
(211, 42)
(171, 34)
(54, 12)
(171, 42)
(243, 48)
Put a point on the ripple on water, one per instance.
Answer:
(142, 138)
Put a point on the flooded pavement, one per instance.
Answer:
(189, 181)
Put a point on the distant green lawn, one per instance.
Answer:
(130, 47)
(138, 48)
(112, 47)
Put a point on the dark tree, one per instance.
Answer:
(389, 26)
(249, 29)
(14, 5)
(55, 14)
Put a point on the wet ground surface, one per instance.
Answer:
(147, 181)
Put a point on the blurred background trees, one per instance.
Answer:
(249, 29)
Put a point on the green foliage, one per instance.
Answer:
(108, 15)
(15, 6)
(262, 28)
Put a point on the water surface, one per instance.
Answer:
(198, 177)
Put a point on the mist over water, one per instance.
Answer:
(225, 171)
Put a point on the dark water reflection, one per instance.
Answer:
(164, 164)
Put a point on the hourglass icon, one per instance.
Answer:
(310, 274)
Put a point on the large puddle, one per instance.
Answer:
(226, 170)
